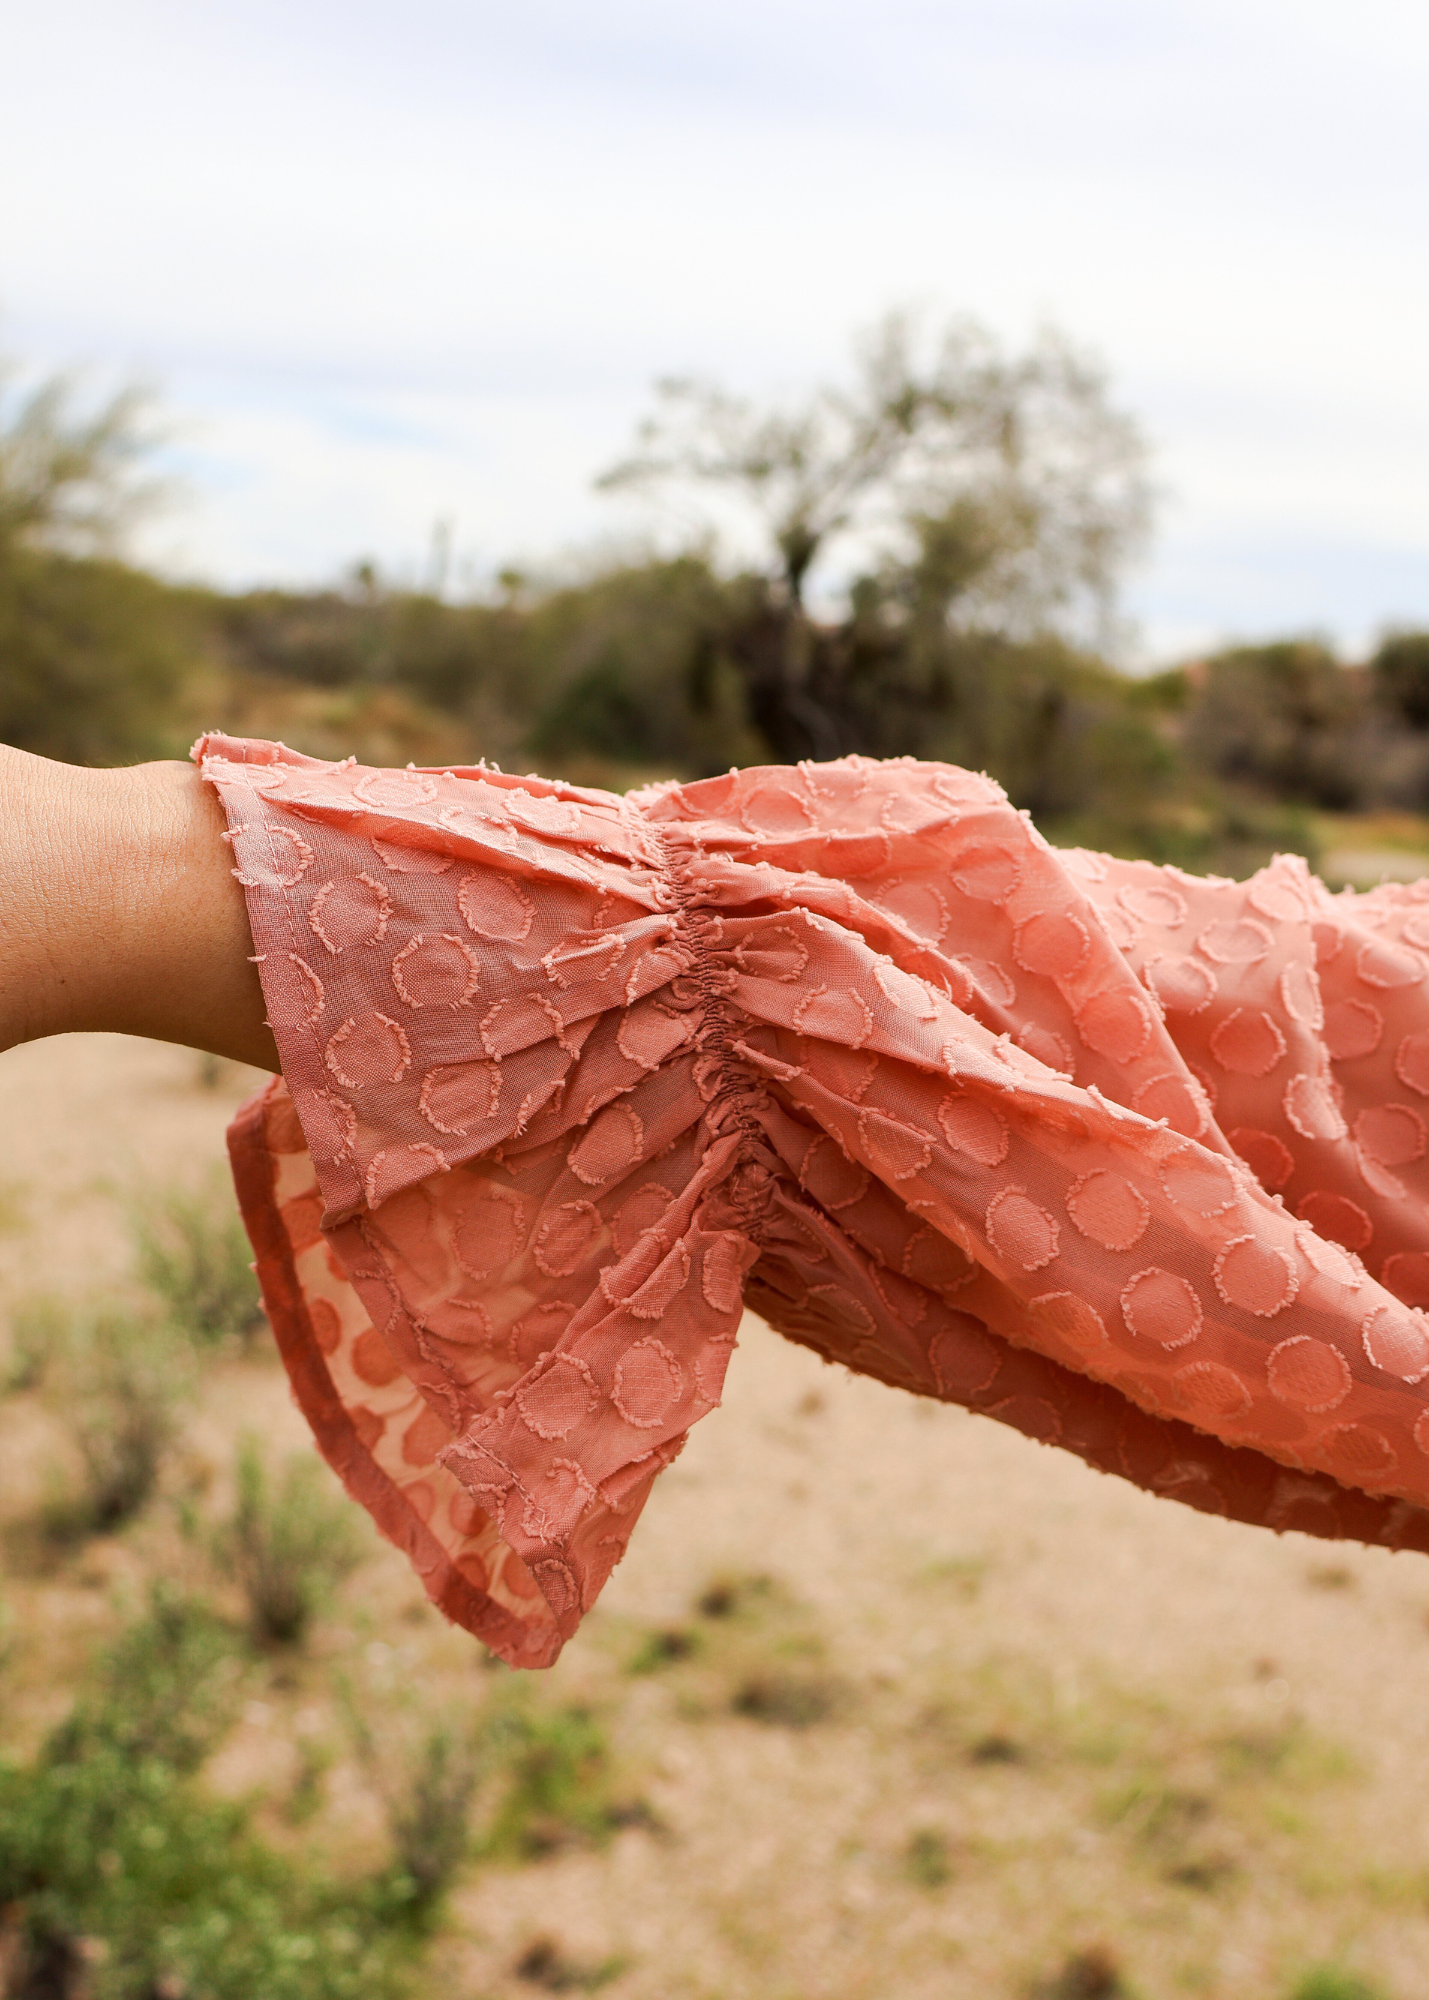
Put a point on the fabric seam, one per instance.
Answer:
(719, 1022)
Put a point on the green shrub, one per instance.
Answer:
(546, 1964)
(122, 1386)
(663, 1647)
(429, 1819)
(757, 1652)
(1093, 1974)
(428, 1778)
(557, 1792)
(926, 1859)
(39, 1328)
(729, 1596)
(787, 1698)
(1285, 719)
(1332, 1982)
(112, 1857)
(164, 1691)
(289, 1543)
(92, 657)
(1399, 673)
(194, 1256)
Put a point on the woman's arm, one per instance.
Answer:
(119, 910)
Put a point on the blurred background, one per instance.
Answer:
(628, 393)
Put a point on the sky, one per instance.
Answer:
(389, 266)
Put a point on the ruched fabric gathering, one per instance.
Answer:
(1127, 1159)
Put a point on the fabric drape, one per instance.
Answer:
(1131, 1160)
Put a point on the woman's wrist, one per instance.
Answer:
(119, 911)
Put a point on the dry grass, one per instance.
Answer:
(1359, 850)
(884, 1700)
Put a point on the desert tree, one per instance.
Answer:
(950, 487)
(70, 478)
(89, 650)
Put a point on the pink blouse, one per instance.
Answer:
(1132, 1161)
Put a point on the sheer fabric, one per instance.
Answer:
(1127, 1159)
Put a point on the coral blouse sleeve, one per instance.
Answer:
(569, 1078)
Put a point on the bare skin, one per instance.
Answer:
(119, 910)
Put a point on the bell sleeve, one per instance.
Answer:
(570, 1078)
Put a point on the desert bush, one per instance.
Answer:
(429, 1819)
(790, 1698)
(194, 1256)
(632, 668)
(926, 1860)
(1400, 672)
(163, 1691)
(1093, 1974)
(289, 1542)
(428, 1779)
(557, 1791)
(546, 1964)
(663, 1647)
(1287, 719)
(966, 637)
(92, 652)
(113, 1861)
(756, 1652)
(121, 1389)
(731, 1596)
(1332, 1982)
(39, 1328)
(93, 656)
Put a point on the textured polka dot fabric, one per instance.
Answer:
(1130, 1160)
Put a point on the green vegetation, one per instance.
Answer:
(430, 1819)
(558, 1785)
(927, 1859)
(119, 1864)
(1086, 1975)
(543, 1964)
(662, 1648)
(121, 1384)
(38, 1328)
(194, 1257)
(94, 652)
(289, 1543)
(752, 1650)
(1329, 1982)
(933, 552)
(114, 1860)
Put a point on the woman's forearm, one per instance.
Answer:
(119, 910)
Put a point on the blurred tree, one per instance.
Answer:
(609, 666)
(1400, 671)
(67, 480)
(92, 655)
(627, 665)
(940, 540)
(1286, 719)
(980, 493)
(91, 651)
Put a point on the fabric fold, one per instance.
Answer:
(1097, 1148)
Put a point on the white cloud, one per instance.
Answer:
(394, 264)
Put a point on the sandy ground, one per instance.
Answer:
(1059, 1714)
